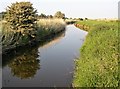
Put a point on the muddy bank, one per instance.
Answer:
(84, 27)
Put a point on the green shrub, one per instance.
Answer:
(10, 37)
(21, 16)
(59, 14)
(19, 26)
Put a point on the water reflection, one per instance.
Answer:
(26, 65)
(24, 61)
(56, 65)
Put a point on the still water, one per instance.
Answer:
(48, 65)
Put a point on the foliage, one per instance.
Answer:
(21, 16)
(2, 15)
(59, 15)
(86, 18)
(42, 16)
(10, 37)
(21, 27)
(98, 62)
(80, 19)
(44, 28)
(49, 16)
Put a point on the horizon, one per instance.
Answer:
(94, 9)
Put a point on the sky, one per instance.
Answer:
(72, 8)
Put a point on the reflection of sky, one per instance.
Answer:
(73, 8)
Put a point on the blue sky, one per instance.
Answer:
(73, 8)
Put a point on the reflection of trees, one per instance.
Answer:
(26, 65)
(23, 60)
(53, 41)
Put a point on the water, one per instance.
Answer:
(49, 65)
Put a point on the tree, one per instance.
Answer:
(49, 16)
(86, 18)
(2, 15)
(59, 15)
(22, 17)
(42, 15)
(80, 19)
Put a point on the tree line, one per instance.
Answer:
(58, 14)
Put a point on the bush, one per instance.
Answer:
(19, 26)
(21, 17)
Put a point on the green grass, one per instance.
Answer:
(98, 62)
(93, 23)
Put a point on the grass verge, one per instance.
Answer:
(98, 62)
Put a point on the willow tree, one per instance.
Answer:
(21, 17)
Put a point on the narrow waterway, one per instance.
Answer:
(49, 65)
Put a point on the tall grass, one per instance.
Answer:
(98, 62)
(45, 28)
(51, 24)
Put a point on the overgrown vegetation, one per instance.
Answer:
(98, 62)
(21, 26)
(45, 27)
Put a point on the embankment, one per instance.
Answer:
(98, 62)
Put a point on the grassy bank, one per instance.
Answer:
(45, 27)
(90, 24)
(98, 62)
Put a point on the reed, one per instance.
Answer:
(45, 27)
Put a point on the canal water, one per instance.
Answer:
(48, 65)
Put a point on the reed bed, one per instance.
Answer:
(45, 27)
(51, 24)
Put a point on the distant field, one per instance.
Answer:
(92, 23)
(98, 62)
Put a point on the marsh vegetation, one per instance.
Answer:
(21, 26)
